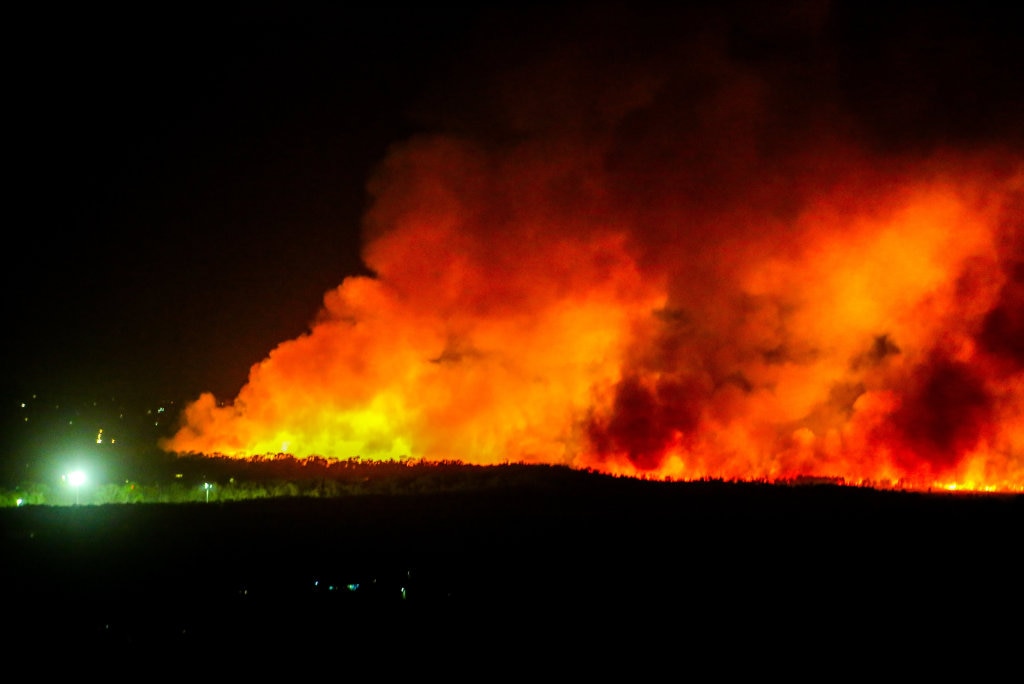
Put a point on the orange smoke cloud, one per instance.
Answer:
(690, 277)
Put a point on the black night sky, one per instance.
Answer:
(188, 182)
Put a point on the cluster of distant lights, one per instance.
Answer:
(159, 411)
(354, 587)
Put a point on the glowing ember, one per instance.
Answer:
(677, 288)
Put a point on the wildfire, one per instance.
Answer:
(671, 288)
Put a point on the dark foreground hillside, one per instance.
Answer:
(609, 561)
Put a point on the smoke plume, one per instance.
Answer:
(684, 246)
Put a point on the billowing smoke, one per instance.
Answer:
(669, 249)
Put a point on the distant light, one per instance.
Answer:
(76, 478)
(20, 501)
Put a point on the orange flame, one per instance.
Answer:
(642, 299)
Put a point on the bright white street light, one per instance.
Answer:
(76, 478)
(207, 486)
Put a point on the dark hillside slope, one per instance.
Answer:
(586, 554)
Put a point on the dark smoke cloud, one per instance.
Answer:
(946, 408)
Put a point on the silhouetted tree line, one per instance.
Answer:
(219, 478)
